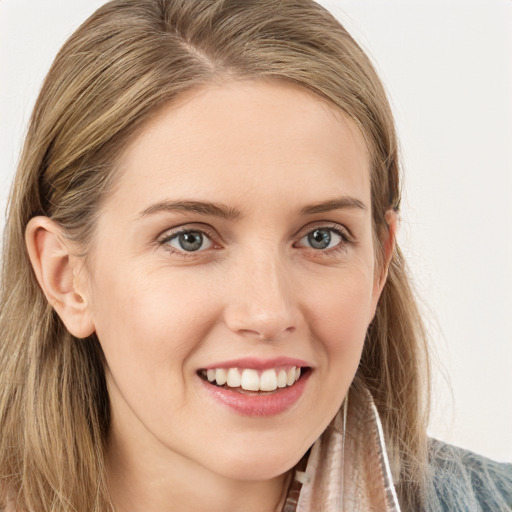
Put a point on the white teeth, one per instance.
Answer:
(251, 380)
(290, 377)
(281, 379)
(221, 376)
(234, 379)
(268, 380)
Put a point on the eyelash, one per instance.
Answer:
(345, 239)
(167, 237)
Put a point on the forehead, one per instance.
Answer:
(265, 138)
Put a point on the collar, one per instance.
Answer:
(348, 467)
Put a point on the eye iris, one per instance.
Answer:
(319, 238)
(191, 241)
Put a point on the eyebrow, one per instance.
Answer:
(201, 207)
(229, 213)
(341, 203)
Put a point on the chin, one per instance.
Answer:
(258, 464)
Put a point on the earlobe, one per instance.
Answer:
(56, 269)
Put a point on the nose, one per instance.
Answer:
(262, 303)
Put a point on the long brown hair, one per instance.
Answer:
(111, 76)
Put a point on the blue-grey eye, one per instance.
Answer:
(190, 241)
(321, 239)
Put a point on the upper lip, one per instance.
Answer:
(258, 364)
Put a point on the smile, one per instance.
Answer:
(251, 392)
(249, 379)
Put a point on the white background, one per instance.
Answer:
(447, 67)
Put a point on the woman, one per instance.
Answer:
(203, 304)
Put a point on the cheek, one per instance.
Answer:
(340, 313)
(145, 323)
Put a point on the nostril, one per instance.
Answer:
(270, 324)
(250, 332)
(266, 335)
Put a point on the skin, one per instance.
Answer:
(256, 288)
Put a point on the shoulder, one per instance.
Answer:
(464, 481)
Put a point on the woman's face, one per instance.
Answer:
(236, 245)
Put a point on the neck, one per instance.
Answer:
(140, 482)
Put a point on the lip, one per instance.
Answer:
(261, 404)
(259, 364)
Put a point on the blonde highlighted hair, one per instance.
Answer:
(126, 61)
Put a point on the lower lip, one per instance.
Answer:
(268, 404)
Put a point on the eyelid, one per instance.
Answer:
(214, 236)
(204, 229)
(346, 241)
(343, 231)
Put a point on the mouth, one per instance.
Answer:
(254, 381)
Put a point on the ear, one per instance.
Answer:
(60, 274)
(388, 241)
